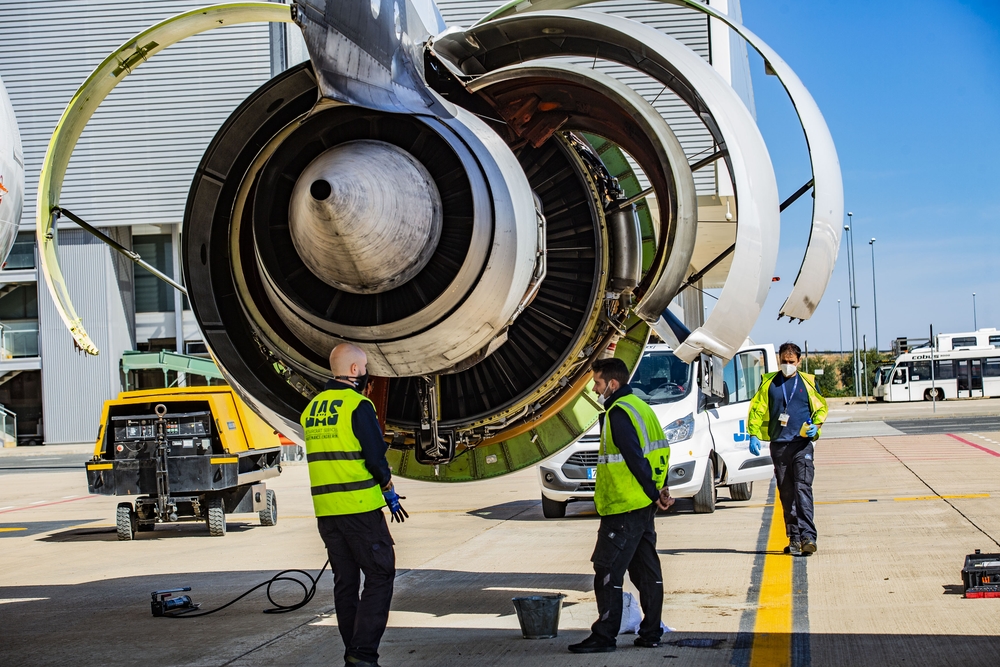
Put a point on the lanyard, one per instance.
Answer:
(794, 387)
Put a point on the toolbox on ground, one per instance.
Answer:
(189, 453)
(981, 575)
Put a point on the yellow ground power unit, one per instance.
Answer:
(190, 453)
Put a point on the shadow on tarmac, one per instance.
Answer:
(108, 622)
(531, 510)
(162, 531)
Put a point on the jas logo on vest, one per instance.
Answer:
(742, 435)
(323, 413)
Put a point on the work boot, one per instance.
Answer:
(646, 643)
(809, 547)
(351, 661)
(794, 547)
(593, 644)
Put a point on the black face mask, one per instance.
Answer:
(360, 382)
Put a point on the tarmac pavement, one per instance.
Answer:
(896, 514)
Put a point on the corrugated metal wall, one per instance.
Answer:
(75, 385)
(133, 164)
(135, 161)
(685, 25)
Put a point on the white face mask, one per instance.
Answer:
(788, 370)
(601, 398)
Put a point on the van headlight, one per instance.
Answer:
(680, 430)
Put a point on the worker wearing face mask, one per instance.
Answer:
(351, 483)
(788, 411)
(631, 484)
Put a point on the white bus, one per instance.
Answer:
(966, 365)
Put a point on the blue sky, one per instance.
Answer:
(911, 92)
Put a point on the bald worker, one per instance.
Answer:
(351, 483)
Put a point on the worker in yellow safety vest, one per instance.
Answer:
(351, 483)
(631, 484)
(789, 412)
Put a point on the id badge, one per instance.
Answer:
(783, 419)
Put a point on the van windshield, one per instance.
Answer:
(661, 378)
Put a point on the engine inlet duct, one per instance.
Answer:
(462, 207)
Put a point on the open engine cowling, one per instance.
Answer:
(449, 203)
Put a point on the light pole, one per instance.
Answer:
(852, 282)
(840, 327)
(975, 323)
(874, 292)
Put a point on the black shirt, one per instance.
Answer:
(626, 439)
(364, 423)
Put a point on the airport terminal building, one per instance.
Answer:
(132, 168)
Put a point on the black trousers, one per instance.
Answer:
(794, 470)
(627, 542)
(360, 543)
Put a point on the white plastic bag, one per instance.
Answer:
(631, 615)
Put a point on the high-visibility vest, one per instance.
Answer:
(341, 484)
(759, 418)
(617, 490)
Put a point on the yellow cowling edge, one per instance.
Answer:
(78, 112)
(250, 432)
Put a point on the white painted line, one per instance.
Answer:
(39, 502)
(9, 507)
(68, 497)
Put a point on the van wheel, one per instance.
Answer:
(553, 509)
(704, 500)
(935, 394)
(741, 491)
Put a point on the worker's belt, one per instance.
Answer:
(347, 486)
(646, 451)
(335, 456)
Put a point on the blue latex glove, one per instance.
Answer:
(755, 445)
(392, 500)
(812, 431)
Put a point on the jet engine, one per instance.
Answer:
(445, 200)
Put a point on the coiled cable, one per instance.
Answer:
(308, 592)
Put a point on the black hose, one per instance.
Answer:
(307, 591)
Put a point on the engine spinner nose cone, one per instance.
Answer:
(354, 231)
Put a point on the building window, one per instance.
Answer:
(21, 303)
(19, 322)
(152, 295)
(22, 254)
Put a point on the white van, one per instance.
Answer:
(709, 446)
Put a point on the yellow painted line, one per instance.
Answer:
(225, 459)
(963, 495)
(772, 631)
(900, 499)
(11, 530)
(101, 466)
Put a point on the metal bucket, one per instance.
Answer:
(538, 615)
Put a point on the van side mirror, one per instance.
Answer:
(712, 402)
